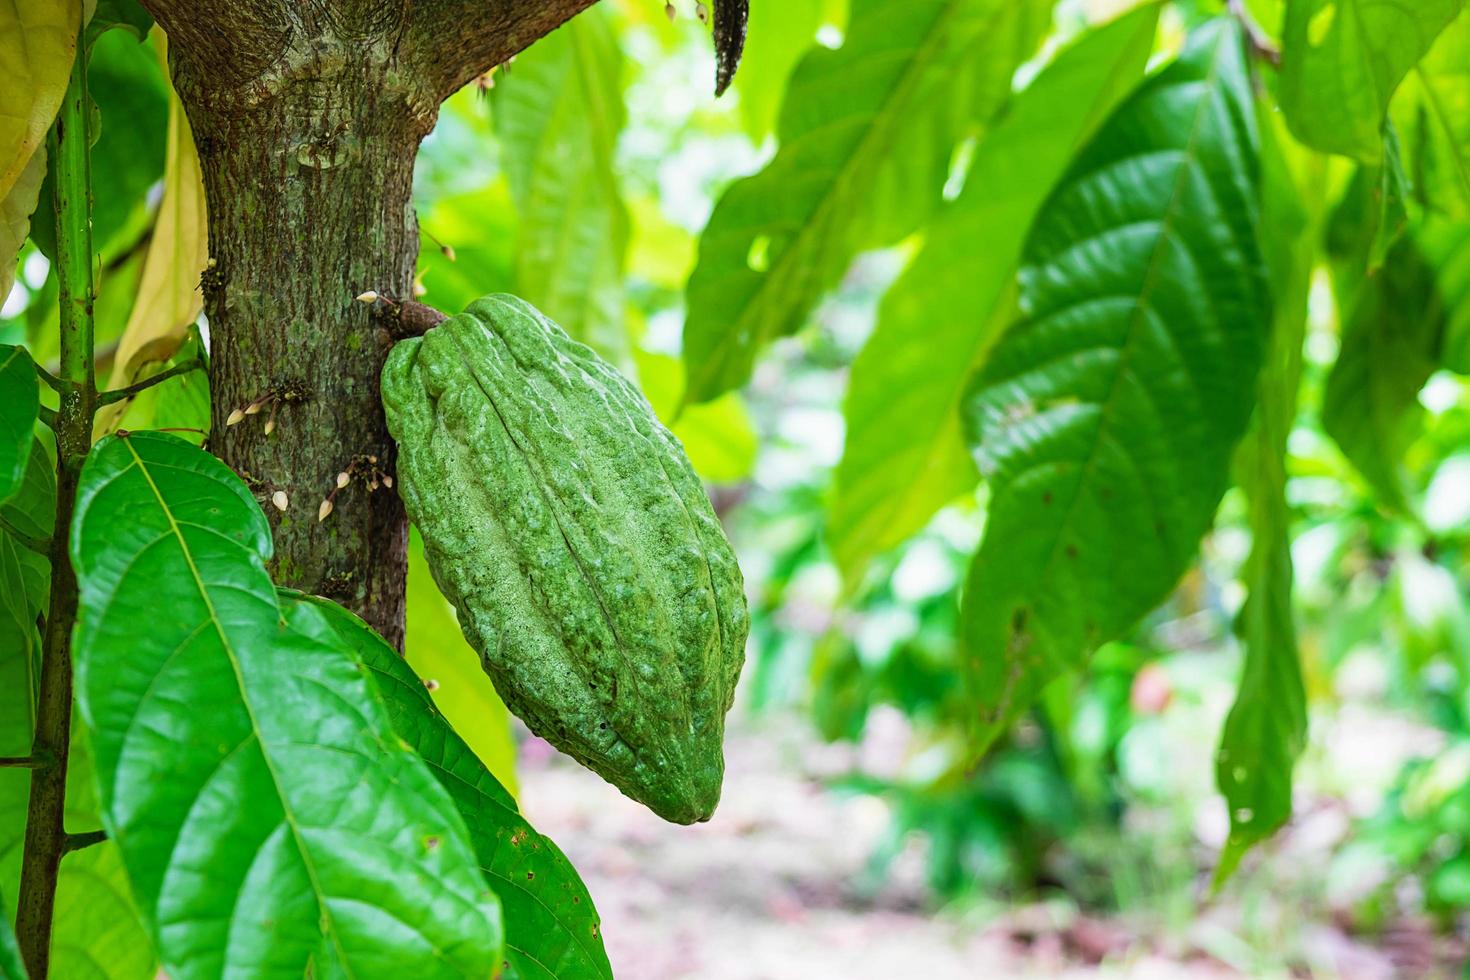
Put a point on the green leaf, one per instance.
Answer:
(1392, 335)
(20, 401)
(436, 649)
(905, 456)
(867, 133)
(270, 820)
(1446, 246)
(778, 35)
(1342, 61)
(1105, 421)
(558, 116)
(19, 665)
(552, 929)
(11, 967)
(1433, 113)
(718, 436)
(1267, 726)
(98, 931)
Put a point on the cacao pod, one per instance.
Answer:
(578, 547)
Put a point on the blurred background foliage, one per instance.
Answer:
(580, 177)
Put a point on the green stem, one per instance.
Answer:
(118, 394)
(46, 838)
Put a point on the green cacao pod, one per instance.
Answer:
(578, 547)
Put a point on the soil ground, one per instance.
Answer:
(765, 890)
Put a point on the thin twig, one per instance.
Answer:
(119, 394)
(41, 546)
(22, 762)
(75, 842)
(48, 416)
(52, 381)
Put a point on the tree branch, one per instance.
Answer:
(118, 394)
(457, 40)
(75, 842)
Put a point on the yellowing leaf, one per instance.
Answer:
(169, 299)
(15, 216)
(38, 39)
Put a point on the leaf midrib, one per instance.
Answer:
(1151, 274)
(287, 813)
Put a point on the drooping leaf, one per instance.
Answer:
(37, 41)
(1106, 419)
(1433, 114)
(558, 116)
(1266, 729)
(436, 650)
(270, 821)
(867, 132)
(1392, 335)
(552, 929)
(1342, 60)
(20, 401)
(905, 456)
(169, 298)
(16, 208)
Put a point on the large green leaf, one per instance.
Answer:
(1392, 335)
(551, 927)
(1433, 113)
(1266, 729)
(270, 820)
(905, 456)
(867, 132)
(558, 116)
(1342, 61)
(1105, 421)
(19, 403)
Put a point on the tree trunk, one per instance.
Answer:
(308, 115)
(309, 187)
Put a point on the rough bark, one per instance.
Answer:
(308, 116)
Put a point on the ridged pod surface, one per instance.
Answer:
(578, 547)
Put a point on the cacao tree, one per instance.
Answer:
(223, 752)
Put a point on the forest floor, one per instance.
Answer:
(766, 891)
